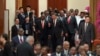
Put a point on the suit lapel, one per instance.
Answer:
(87, 27)
(18, 39)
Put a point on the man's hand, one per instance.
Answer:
(66, 34)
(91, 41)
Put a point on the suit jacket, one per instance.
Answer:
(88, 35)
(35, 19)
(66, 53)
(26, 14)
(14, 30)
(65, 25)
(39, 25)
(43, 31)
(72, 26)
(7, 50)
(16, 42)
(54, 54)
(25, 50)
(27, 27)
(79, 55)
(21, 18)
(82, 21)
(57, 30)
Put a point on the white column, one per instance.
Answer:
(78, 4)
(42, 6)
(10, 5)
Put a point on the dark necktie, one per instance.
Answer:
(86, 24)
(21, 41)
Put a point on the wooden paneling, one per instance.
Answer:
(59, 4)
(51, 3)
(32, 3)
(2, 8)
(18, 4)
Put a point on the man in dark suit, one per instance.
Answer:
(56, 31)
(5, 46)
(58, 51)
(18, 39)
(26, 49)
(28, 11)
(27, 26)
(86, 31)
(63, 20)
(21, 15)
(33, 21)
(15, 28)
(42, 30)
(72, 27)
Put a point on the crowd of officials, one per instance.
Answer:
(54, 33)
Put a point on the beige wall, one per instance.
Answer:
(42, 5)
(10, 4)
(78, 4)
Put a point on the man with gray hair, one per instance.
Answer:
(26, 49)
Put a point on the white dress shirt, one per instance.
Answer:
(20, 37)
(58, 54)
(78, 19)
(17, 26)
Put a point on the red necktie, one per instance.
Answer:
(21, 41)
(42, 24)
(68, 20)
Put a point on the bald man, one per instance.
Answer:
(66, 46)
(26, 49)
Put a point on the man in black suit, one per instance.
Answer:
(27, 26)
(33, 17)
(18, 39)
(72, 27)
(56, 31)
(58, 51)
(26, 49)
(21, 15)
(15, 28)
(33, 21)
(86, 31)
(42, 30)
(6, 47)
(63, 20)
(28, 11)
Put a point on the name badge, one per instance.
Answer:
(26, 31)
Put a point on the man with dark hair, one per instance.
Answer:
(56, 31)
(18, 39)
(21, 15)
(86, 31)
(42, 30)
(72, 27)
(58, 51)
(15, 28)
(28, 11)
(27, 26)
(7, 48)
